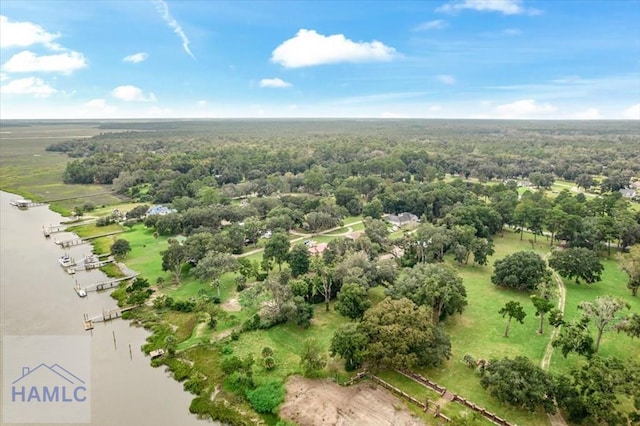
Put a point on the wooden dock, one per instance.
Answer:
(93, 263)
(70, 243)
(106, 316)
(78, 241)
(52, 229)
(25, 204)
(102, 285)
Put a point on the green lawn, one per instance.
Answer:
(613, 283)
(480, 329)
(287, 341)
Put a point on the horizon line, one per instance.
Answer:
(314, 118)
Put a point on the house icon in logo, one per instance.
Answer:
(48, 383)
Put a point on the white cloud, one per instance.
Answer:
(446, 79)
(308, 48)
(96, 103)
(392, 115)
(512, 31)
(525, 108)
(274, 83)
(132, 94)
(23, 34)
(378, 98)
(136, 57)
(99, 108)
(588, 114)
(27, 61)
(3, 76)
(437, 24)
(506, 7)
(632, 113)
(202, 103)
(163, 9)
(158, 112)
(28, 86)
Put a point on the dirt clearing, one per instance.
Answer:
(321, 402)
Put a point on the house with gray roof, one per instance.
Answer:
(402, 219)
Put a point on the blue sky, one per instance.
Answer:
(434, 59)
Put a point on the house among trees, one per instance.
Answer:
(404, 218)
(317, 249)
(160, 210)
(629, 192)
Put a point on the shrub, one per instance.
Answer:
(194, 385)
(231, 364)
(267, 397)
(252, 323)
(179, 369)
(217, 410)
(470, 361)
(241, 283)
(238, 383)
(267, 351)
(269, 363)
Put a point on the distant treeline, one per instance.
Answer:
(309, 154)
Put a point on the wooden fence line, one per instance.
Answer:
(435, 387)
(426, 406)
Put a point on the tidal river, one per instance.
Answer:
(37, 298)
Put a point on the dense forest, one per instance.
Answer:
(280, 152)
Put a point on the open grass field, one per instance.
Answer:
(479, 331)
(613, 283)
(287, 342)
(27, 169)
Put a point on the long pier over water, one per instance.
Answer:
(102, 285)
(105, 316)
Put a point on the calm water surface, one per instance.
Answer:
(37, 298)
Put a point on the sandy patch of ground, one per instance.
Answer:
(321, 402)
(232, 305)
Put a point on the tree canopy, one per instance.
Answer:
(120, 248)
(522, 270)
(435, 285)
(577, 262)
(401, 334)
(512, 310)
(520, 383)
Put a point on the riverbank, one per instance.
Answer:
(37, 298)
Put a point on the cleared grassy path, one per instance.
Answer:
(555, 419)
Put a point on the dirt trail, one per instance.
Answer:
(301, 236)
(555, 419)
(562, 292)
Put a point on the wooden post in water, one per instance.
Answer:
(115, 346)
(130, 353)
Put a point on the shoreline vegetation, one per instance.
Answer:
(218, 326)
